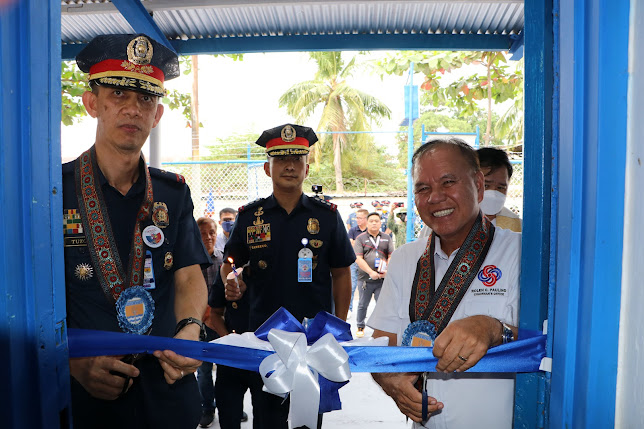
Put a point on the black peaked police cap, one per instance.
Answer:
(287, 139)
(135, 62)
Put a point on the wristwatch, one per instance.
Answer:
(184, 322)
(508, 334)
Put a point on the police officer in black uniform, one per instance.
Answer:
(295, 248)
(132, 248)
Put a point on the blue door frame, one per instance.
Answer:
(593, 70)
(575, 151)
(34, 365)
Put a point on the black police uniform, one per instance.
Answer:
(151, 402)
(268, 239)
(272, 277)
(231, 383)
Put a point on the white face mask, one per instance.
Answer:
(493, 202)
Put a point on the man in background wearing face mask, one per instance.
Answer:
(226, 220)
(497, 170)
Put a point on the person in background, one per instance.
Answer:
(296, 248)
(397, 224)
(208, 230)
(227, 218)
(132, 247)
(497, 169)
(373, 250)
(442, 284)
(351, 219)
(361, 226)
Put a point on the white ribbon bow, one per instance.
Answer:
(295, 369)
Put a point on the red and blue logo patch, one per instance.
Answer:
(489, 275)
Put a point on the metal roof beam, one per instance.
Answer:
(342, 42)
(140, 20)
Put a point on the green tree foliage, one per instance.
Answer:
(494, 82)
(74, 84)
(344, 108)
(435, 122)
(235, 146)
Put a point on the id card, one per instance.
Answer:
(304, 270)
(148, 272)
(377, 262)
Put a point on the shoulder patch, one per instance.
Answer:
(324, 203)
(163, 174)
(251, 205)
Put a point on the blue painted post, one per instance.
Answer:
(477, 141)
(594, 70)
(411, 216)
(33, 357)
(529, 403)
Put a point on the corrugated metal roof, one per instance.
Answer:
(252, 20)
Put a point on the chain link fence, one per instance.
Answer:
(218, 184)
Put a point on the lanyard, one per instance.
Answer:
(375, 243)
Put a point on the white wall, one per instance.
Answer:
(629, 412)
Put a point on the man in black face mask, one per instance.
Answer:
(226, 220)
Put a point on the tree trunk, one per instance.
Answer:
(488, 130)
(337, 163)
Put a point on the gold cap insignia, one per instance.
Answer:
(139, 51)
(313, 227)
(288, 134)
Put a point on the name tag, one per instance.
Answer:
(305, 270)
(79, 241)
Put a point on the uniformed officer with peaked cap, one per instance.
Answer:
(132, 248)
(295, 249)
(133, 62)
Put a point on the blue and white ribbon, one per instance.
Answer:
(293, 367)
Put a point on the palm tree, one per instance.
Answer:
(344, 108)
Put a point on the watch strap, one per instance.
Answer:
(508, 334)
(185, 322)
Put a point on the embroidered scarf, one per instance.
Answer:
(100, 238)
(438, 306)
